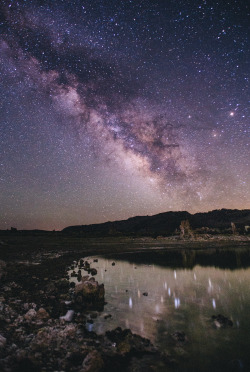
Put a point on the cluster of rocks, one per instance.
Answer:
(42, 323)
(86, 292)
(82, 265)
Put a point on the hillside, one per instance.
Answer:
(166, 224)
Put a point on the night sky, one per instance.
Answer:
(111, 109)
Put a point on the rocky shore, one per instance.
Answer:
(44, 317)
(42, 325)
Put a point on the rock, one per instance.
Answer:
(2, 269)
(51, 337)
(126, 342)
(62, 285)
(89, 291)
(75, 358)
(50, 288)
(108, 316)
(2, 341)
(68, 317)
(80, 318)
(93, 362)
(221, 321)
(42, 314)
(95, 259)
(30, 315)
(93, 271)
(180, 337)
(113, 264)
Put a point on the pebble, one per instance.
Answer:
(68, 317)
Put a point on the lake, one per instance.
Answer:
(155, 296)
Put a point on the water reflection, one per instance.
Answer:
(156, 301)
(214, 303)
(224, 258)
(130, 303)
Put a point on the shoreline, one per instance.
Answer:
(35, 292)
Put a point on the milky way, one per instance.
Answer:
(111, 109)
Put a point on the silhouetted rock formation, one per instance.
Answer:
(164, 224)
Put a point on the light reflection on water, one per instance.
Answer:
(155, 301)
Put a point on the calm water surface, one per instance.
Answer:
(156, 301)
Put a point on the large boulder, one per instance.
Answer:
(89, 291)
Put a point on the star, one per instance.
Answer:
(113, 111)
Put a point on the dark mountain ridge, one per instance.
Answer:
(218, 221)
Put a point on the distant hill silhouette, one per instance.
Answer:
(165, 223)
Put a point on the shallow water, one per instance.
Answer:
(155, 301)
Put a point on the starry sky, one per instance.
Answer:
(111, 109)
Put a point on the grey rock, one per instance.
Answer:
(2, 341)
(89, 290)
(30, 315)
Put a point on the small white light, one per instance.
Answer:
(130, 303)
